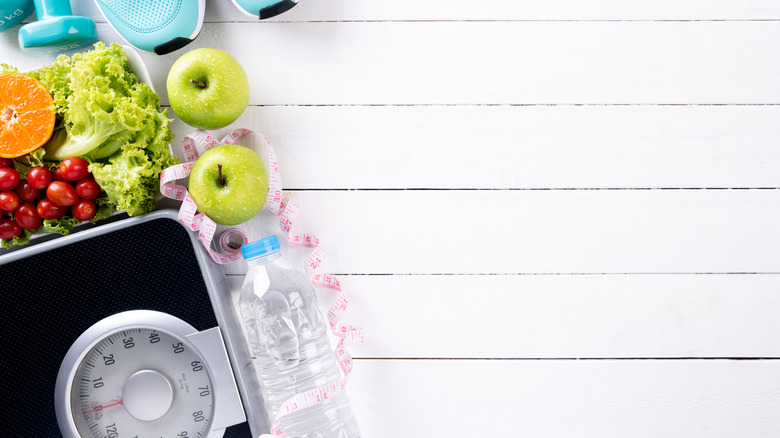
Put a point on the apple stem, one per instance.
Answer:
(221, 178)
(198, 83)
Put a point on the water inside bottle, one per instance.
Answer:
(281, 318)
(287, 336)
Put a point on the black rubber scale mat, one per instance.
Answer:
(50, 298)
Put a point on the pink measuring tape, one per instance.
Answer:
(287, 210)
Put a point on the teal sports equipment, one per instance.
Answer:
(158, 26)
(12, 12)
(57, 29)
(264, 8)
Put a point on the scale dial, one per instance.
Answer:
(136, 374)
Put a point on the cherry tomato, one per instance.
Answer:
(9, 201)
(47, 209)
(26, 192)
(5, 162)
(9, 229)
(62, 193)
(9, 178)
(84, 210)
(87, 188)
(74, 168)
(39, 177)
(27, 217)
(57, 175)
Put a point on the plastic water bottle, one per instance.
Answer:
(287, 335)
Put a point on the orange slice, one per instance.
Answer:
(26, 115)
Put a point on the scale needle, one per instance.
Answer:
(103, 407)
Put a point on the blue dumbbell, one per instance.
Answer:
(57, 29)
(12, 12)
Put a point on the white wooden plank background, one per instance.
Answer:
(496, 63)
(521, 147)
(562, 316)
(637, 398)
(554, 218)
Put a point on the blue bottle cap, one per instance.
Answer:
(260, 248)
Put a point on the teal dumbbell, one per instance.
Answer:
(12, 12)
(57, 29)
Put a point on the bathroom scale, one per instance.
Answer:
(126, 328)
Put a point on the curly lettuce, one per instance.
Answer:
(108, 117)
(131, 178)
(112, 120)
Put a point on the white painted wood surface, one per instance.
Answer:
(554, 218)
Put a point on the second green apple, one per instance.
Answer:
(208, 88)
(229, 184)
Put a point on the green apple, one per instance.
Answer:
(208, 88)
(229, 184)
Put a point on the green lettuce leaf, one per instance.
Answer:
(5, 68)
(22, 239)
(100, 101)
(62, 226)
(131, 177)
(113, 121)
(25, 162)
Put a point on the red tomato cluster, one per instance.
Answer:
(69, 188)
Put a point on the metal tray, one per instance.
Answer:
(57, 286)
